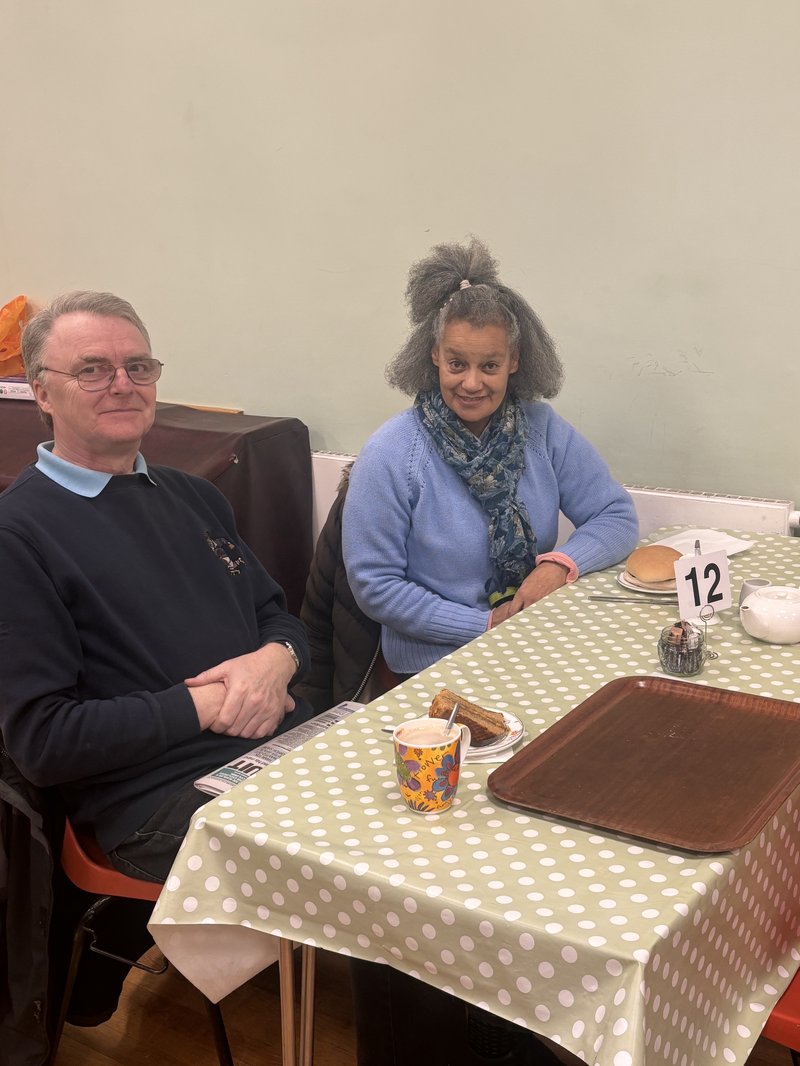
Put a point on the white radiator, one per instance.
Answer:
(669, 507)
(655, 507)
(326, 472)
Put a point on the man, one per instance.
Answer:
(141, 642)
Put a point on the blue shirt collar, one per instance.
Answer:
(79, 479)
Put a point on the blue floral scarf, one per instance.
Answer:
(491, 466)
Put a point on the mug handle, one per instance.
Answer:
(466, 740)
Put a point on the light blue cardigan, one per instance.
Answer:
(415, 542)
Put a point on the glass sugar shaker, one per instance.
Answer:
(682, 649)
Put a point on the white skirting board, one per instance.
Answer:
(656, 507)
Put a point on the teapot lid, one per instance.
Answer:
(779, 594)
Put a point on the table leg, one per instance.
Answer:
(308, 955)
(286, 971)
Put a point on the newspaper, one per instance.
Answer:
(223, 779)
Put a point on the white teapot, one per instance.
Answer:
(772, 614)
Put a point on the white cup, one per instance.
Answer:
(750, 585)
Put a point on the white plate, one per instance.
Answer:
(711, 540)
(515, 731)
(645, 592)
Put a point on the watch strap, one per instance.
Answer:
(290, 648)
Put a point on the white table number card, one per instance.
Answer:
(703, 581)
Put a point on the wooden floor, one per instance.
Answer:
(161, 1020)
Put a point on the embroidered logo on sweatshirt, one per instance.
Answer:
(227, 551)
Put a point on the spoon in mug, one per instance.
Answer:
(452, 718)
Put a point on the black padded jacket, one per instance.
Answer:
(344, 642)
(26, 897)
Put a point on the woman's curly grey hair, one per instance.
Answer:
(435, 297)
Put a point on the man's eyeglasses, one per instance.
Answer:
(98, 376)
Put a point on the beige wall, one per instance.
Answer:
(257, 177)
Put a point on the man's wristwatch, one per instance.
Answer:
(290, 648)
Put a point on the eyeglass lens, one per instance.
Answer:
(100, 375)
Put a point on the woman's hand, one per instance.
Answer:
(540, 582)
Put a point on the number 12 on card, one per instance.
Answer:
(702, 581)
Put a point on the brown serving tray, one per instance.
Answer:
(668, 761)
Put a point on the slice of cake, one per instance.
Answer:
(484, 726)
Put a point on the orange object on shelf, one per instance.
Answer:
(12, 318)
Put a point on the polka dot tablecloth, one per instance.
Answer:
(624, 953)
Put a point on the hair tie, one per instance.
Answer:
(465, 284)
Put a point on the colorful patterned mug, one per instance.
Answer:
(428, 760)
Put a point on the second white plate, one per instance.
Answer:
(711, 540)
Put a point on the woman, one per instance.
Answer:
(452, 513)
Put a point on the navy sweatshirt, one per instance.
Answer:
(106, 605)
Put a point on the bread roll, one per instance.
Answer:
(652, 567)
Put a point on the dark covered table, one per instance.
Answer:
(261, 464)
